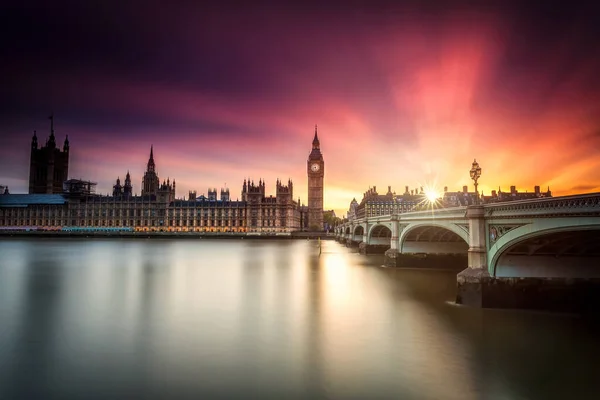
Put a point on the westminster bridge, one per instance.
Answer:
(540, 253)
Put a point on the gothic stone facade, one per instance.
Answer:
(259, 214)
(157, 210)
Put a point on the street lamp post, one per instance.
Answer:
(475, 174)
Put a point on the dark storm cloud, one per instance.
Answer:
(232, 50)
(549, 43)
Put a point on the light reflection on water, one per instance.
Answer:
(156, 319)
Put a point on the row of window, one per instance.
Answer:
(141, 222)
(96, 211)
(132, 222)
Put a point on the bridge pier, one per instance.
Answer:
(554, 294)
(352, 243)
(392, 254)
(472, 282)
(364, 248)
(448, 261)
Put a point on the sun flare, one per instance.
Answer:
(432, 195)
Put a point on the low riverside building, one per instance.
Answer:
(458, 199)
(514, 194)
(375, 204)
(466, 198)
(150, 213)
(79, 209)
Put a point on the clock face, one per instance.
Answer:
(315, 167)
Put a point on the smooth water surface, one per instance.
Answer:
(192, 319)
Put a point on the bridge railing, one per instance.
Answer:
(448, 212)
(437, 212)
(580, 204)
(574, 204)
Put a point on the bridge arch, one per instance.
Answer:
(434, 237)
(358, 233)
(443, 228)
(558, 247)
(380, 234)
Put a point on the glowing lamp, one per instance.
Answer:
(475, 174)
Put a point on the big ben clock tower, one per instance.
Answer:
(315, 167)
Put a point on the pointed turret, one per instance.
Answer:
(315, 142)
(117, 188)
(127, 188)
(66, 144)
(151, 166)
(315, 154)
(52, 140)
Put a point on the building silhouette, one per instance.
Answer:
(73, 205)
(49, 166)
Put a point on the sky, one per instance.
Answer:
(404, 93)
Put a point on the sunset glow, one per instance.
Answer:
(401, 95)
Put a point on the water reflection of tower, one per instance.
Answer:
(315, 374)
(36, 340)
(250, 299)
(280, 322)
(149, 317)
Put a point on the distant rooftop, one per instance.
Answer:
(23, 200)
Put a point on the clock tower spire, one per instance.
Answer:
(316, 172)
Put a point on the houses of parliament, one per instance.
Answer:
(55, 202)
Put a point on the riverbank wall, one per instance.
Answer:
(172, 235)
(476, 288)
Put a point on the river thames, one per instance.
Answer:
(192, 319)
